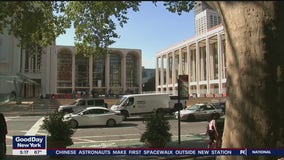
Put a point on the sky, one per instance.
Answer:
(151, 29)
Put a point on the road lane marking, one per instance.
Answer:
(118, 140)
(109, 136)
(35, 128)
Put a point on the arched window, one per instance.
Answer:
(99, 71)
(131, 70)
(64, 69)
(115, 70)
(81, 71)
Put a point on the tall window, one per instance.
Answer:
(164, 69)
(64, 69)
(81, 71)
(215, 60)
(99, 72)
(170, 68)
(131, 71)
(176, 64)
(115, 70)
(32, 60)
(184, 63)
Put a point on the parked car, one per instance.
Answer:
(220, 105)
(174, 102)
(82, 103)
(94, 116)
(199, 112)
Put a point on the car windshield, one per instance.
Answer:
(193, 107)
(121, 100)
(73, 103)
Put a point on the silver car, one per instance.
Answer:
(94, 116)
(199, 112)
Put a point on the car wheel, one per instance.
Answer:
(74, 123)
(191, 117)
(111, 123)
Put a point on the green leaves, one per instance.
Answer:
(57, 128)
(94, 23)
(32, 22)
(179, 6)
(157, 131)
(36, 24)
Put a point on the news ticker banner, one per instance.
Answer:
(36, 145)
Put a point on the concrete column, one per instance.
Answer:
(107, 65)
(223, 59)
(180, 62)
(157, 73)
(207, 65)
(123, 71)
(162, 73)
(193, 66)
(90, 74)
(188, 67)
(197, 60)
(139, 73)
(219, 44)
(174, 73)
(167, 72)
(202, 78)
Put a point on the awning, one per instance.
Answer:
(19, 78)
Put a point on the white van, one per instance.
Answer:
(138, 104)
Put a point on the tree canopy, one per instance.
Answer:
(38, 23)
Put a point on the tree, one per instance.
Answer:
(38, 23)
(254, 51)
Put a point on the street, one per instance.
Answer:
(128, 132)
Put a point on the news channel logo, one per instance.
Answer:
(29, 145)
(243, 152)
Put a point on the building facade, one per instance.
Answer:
(61, 71)
(119, 72)
(201, 59)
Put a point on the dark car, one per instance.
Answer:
(220, 105)
(82, 103)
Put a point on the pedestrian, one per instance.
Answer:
(3, 133)
(212, 132)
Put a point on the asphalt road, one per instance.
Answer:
(123, 135)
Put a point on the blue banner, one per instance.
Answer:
(165, 152)
(29, 142)
(29, 145)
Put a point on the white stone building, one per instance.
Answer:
(200, 58)
(61, 71)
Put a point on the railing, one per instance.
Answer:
(6, 99)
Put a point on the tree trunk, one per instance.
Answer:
(254, 51)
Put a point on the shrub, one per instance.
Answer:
(58, 129)
(157, 131)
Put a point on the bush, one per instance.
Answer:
(157, 132)
(58, 129)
